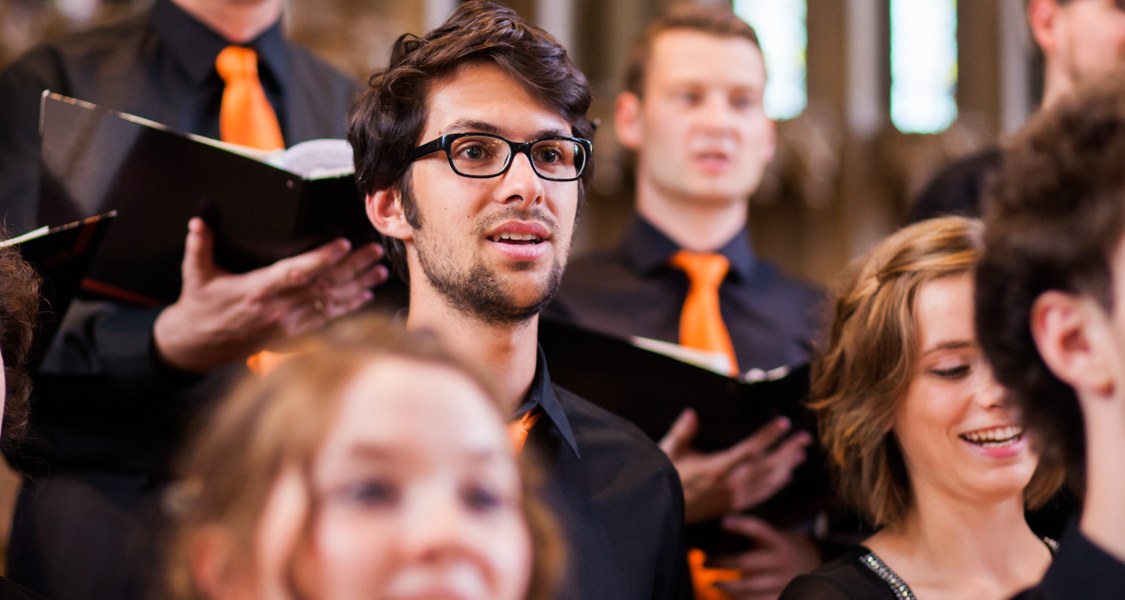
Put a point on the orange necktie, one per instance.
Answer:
(245, 116)
(701, 323)
(518, 430)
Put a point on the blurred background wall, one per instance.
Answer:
(845, 172)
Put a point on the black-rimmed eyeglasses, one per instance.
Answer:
(482, 155)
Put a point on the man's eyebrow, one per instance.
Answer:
(464, 125)
(472, 125)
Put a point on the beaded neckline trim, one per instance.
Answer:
(880, 568)
(898, 586)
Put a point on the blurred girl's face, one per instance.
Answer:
(415, 493)
(959, 434)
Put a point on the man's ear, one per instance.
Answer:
(384, 209)
(1070, 333)
(1041, 15)
(627, 120)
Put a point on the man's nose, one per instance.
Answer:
(521, 183)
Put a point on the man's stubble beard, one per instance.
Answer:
(478, 291)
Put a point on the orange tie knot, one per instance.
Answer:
(236, 63)
(245, 116)
(704, 269)
(701, 323)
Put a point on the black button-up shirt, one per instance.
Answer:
(615, 494)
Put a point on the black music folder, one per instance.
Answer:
(651, 389)
(61, 255)
(95, 160)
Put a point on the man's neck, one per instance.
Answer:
(702, 226)
(507, 354)
(1103, 520)
(239, 21)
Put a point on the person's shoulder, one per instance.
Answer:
(604, 431)
(597, 285)
(325, 77)
(957, 187)
(793, 293)
(94, 41)
(839, 579)
(78, 46)
(595, 269)
(1081, 569)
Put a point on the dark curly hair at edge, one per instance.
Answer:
(388, 116)
(19, 312)
(1054, 216)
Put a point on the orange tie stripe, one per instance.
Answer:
(701, 323)
(245, 116)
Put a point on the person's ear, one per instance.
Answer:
(384, 210)
(209, 559)
(627, 120)
(1041, 15)
(1070, 333)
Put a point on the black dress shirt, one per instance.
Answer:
(615, 494)
(106, 416)
(631, 290)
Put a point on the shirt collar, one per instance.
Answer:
(649, 250)
(542, 394)
(195, 46)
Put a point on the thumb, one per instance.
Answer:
(680, 435)
(199, 254)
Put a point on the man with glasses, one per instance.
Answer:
(473, 151)
(1081, 41)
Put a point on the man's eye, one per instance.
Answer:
(549, 155)
(743, 102)
(472, 152)
(691, 97)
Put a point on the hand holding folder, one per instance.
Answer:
(652, 389)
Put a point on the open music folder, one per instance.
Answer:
(262, 207)
(652, 388)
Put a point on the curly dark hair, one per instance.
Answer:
(388, 116)
(1054, 215)
(19, 312)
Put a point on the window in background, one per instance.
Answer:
(782, 32)
(923, 65)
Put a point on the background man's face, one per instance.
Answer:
(703, 133)
(463, 246)
(1091, 38)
